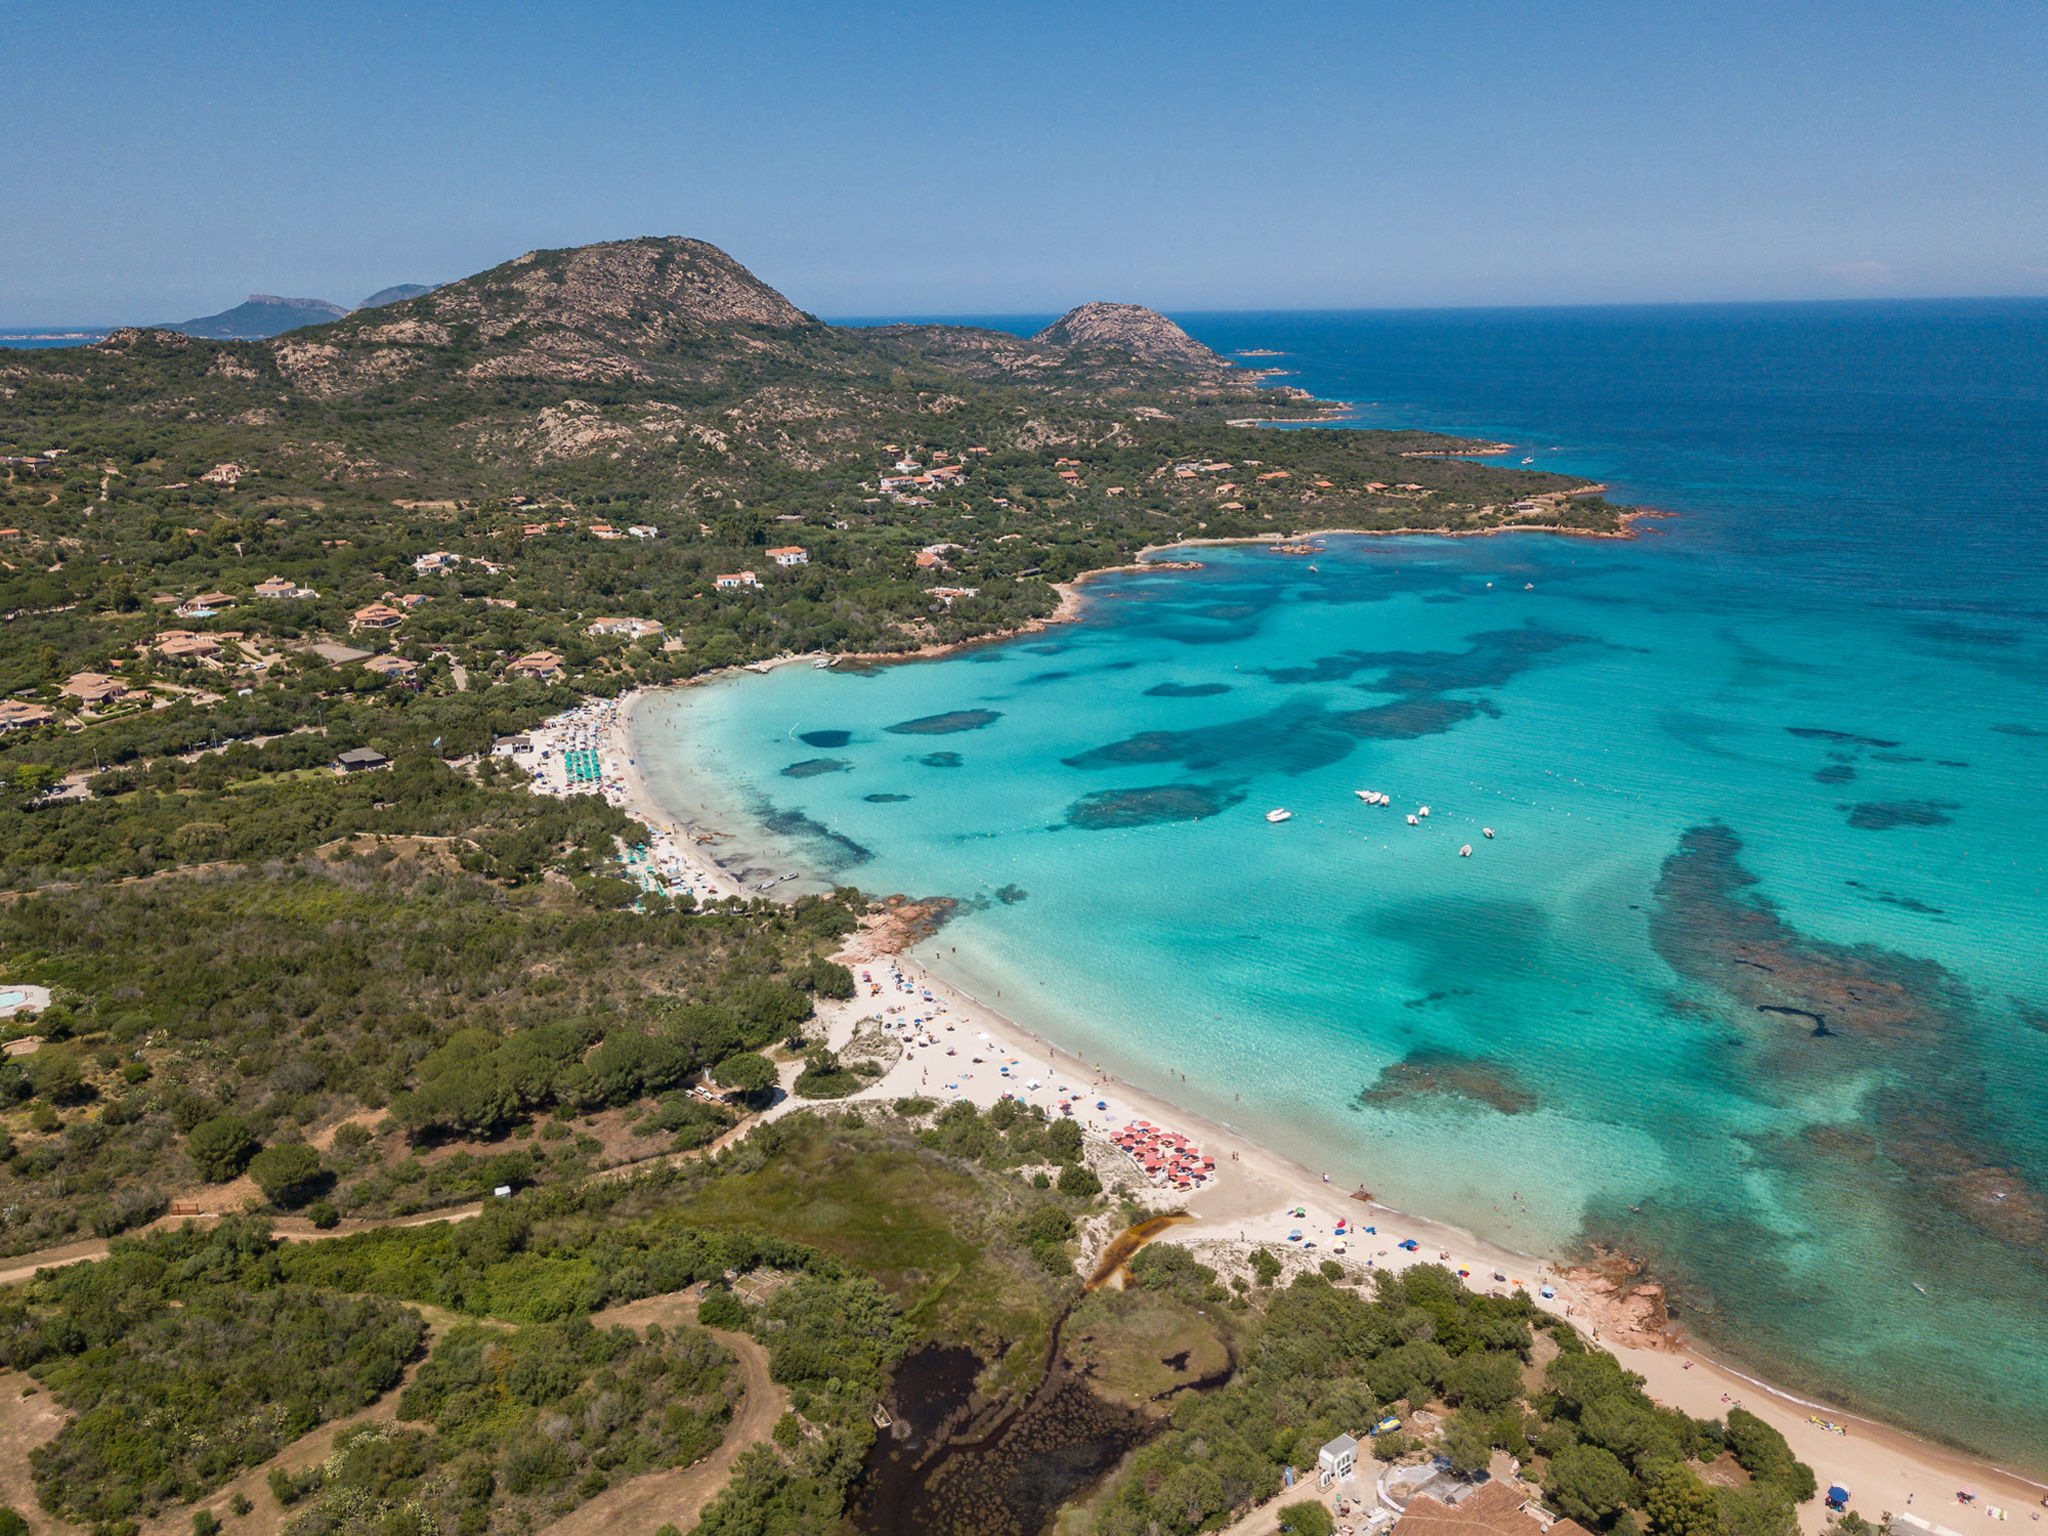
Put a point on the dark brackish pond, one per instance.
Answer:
(953, 1465)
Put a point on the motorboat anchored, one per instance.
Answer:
(1279, 815)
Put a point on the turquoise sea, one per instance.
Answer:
(1751, 981)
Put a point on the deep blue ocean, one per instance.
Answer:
(1750, 981)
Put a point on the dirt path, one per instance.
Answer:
(294, 1229)
(680, 1496)
(25, 1423)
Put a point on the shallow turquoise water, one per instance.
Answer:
(1649, 728)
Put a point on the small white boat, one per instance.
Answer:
(1279, 815)
(1422, 810)
(1369, 796)
(1465, 852)
(1414, 820)
(1529, 461)
(1528, 586)
(1487, 830)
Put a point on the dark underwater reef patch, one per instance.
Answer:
(1493, 658)
(1302, 736)
(1949, 632)
(1933, 1120)
(1437, 1074)
(1186, 690)
(2033, 1015)
(2020, 730)
(942, 760)
(1407, 719)
(1010, 895)
(1883, 815)
(1115, 809)
(885, 799)
(947, 724)
(1893, 899)
(825, 739)
(1711, 925)
(1846, 738)
(1834, 773)
(811, 767)
(1045, 677)
(836, 851)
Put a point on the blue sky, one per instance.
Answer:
(162, 160)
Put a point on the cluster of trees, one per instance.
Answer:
(262, 1004)
(832, 1340)
(1321, 1359)
(184, 1359)
(518, 1425)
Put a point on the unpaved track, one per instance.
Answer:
(294, 1229)
(680, 1496)
(25, 1423)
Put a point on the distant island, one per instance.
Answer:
(263, 315)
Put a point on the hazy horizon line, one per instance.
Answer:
(11, 330)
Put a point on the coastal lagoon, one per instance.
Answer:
(1749, 980)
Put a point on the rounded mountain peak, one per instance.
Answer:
(1144, 333)
(652, 279)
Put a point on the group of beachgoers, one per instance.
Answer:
(578, 753)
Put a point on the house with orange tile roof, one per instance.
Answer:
(183, 642)
(538, 664)
(16, 715)
(790, 554)
(377, 616)
(93, 687)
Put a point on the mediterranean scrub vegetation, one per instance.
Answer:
(218, 1020)
(1318, 1360)
(184, 1360)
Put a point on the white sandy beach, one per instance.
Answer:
(1250, 1199)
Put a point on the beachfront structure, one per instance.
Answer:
(1337, 1459)
(1487, 1508)
(790, 554)
(512, 746)
(733, 581)
(377, 616)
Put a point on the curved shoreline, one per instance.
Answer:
(1876, 1459)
